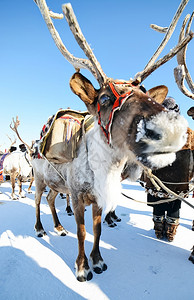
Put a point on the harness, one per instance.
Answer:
(118, 103)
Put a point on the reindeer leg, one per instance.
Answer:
(68, 208)
(21, 195)
(40, 186)
(13, 177)
(59, 229)
(30, 185)
(98, 264)
(83, 271)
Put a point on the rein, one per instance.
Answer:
(159, 184)
(119, 101)
(162, 201)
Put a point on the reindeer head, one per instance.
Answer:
(129, 118)
(133, 120)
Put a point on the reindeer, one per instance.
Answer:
(17, 165)
(129, 125)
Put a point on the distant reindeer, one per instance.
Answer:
(17, 165)
(129, 125)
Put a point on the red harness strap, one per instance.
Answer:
(119, 101)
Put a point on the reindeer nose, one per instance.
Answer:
(151, 134)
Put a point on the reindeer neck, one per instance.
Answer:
(100, 153)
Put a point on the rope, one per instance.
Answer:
(169, 182)
(159, 184)
(162, 201)
(54, 168)
(152, 203)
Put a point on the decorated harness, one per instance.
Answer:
(118, 103)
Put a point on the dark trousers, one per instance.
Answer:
(171, 208)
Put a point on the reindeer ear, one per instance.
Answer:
(158, 93)
(83, 88)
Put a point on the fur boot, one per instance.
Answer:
(171, 227)
(159, 223)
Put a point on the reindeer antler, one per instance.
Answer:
(92, 64)
(16, 123)
(152, 65)
(181, 72)
(12, 142)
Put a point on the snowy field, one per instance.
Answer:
(139, 265)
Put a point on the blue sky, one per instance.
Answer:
(34, 77)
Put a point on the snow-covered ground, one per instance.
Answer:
(139, 265)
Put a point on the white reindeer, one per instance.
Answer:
(17, 165)
(129, 125)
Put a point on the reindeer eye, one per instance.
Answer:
(104, 99)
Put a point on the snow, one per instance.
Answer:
(139, 265)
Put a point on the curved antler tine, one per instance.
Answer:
(179, 74)
(159, 28)
(51, 13)
(75, 29)
(181, 56)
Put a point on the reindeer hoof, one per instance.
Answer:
(84, 274)
(99, 270)
(40, 233)
(83, 278)
(99, 267)
(60, 230)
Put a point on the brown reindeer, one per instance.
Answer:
(129, 124)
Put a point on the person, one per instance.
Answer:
(176, 177)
